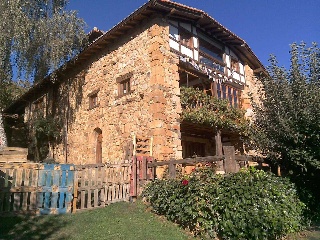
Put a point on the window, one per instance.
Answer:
(224, 91)
(210, 55)
(93, 99)
(229, 93)
(182, 39)
(236, 98)
(124, 84)
(219, 90)
(124, 87)
(209, 50)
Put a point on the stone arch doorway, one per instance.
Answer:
(98, 140)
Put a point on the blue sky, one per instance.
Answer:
(268, 26)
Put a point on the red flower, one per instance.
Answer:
(185, 182)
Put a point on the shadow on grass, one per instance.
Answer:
(314, 233)
(31, 227)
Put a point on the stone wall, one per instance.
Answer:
(151, 109)
(250, 92)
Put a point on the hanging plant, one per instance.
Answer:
(201, 108)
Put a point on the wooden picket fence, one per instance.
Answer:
(40, 189)
(97, 185)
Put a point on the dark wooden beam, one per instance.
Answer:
(218, 141)
(187, 161)
(230, 164)
(207, 25)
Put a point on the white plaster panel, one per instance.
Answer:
(173, 44)
(228, 61)
(186, 51)
(241, 68)
(236, 76)
(196, 55)
(195, 42)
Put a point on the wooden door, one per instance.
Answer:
(99, 148)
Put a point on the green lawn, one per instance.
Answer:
(117, 221)
(311, 234)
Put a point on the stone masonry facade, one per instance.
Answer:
(151, 109)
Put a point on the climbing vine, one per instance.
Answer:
(46, 130)
(198, 107)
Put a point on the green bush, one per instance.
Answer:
(250, 204)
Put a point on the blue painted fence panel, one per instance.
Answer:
(56, 184)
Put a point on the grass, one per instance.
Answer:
(118, 221)
(312, 233)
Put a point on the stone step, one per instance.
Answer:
(13, 150)
(13, 154)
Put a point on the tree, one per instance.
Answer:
(37, 36)
(287, 123)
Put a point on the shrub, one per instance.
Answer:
(250, 204)
(287, 124)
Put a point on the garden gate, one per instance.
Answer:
(36, 188)
(56, 188)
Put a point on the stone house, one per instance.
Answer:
(124, 87)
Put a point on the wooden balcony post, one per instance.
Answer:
(218, 141)
(220, 164)
(172, 169)
(134, 178)
(144, 168)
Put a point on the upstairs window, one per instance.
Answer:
(124, 87)
(210, 51)
(211, 55)
(93, 99)
(124, 84)
(229, 93)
